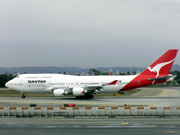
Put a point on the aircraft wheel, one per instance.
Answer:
(33, 105)
(85, 97)
(23, 96)
(89, 96)
(79, 97)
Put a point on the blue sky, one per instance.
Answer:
(87, 33)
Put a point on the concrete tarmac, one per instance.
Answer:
(115, 101)
(56, 126)
(155, 97)
(158, 92)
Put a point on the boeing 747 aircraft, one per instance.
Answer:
(87, 86)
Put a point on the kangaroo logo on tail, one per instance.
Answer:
(158, 67)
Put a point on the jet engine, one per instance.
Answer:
(58, 92)
(78, 91)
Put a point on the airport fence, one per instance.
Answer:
(70, 112)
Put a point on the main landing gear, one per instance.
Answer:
(85, 97)
(23, 96)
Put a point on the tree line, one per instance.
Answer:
(4, 78)
(177, 74)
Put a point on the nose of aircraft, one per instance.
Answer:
(6, 84)
(10, 85)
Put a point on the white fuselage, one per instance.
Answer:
(50, 82)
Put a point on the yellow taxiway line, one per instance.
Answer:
(161, 92)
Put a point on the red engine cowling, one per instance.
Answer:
(58, 92)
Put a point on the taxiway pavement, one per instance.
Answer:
(56, 126)
(155, 97)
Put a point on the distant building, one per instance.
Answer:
(110, 72)
(117, 72)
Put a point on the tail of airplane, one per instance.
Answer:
(157, 72)
(162, 66)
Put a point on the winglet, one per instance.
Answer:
(113, 83)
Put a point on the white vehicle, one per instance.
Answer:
(86, 86)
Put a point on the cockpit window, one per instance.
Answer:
(17, 76)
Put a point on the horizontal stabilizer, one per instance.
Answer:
(161, 78)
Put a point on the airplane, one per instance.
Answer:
(87, 86)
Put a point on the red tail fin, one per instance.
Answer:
(162, 66)
(159, 69)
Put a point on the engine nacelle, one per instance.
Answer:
(78, 91)
(58, 92)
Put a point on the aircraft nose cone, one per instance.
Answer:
(7, 84)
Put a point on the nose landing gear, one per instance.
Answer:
(23, 96)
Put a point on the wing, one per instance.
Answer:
(90, 88)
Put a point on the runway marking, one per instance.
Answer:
(161, 92)
(125, 123)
